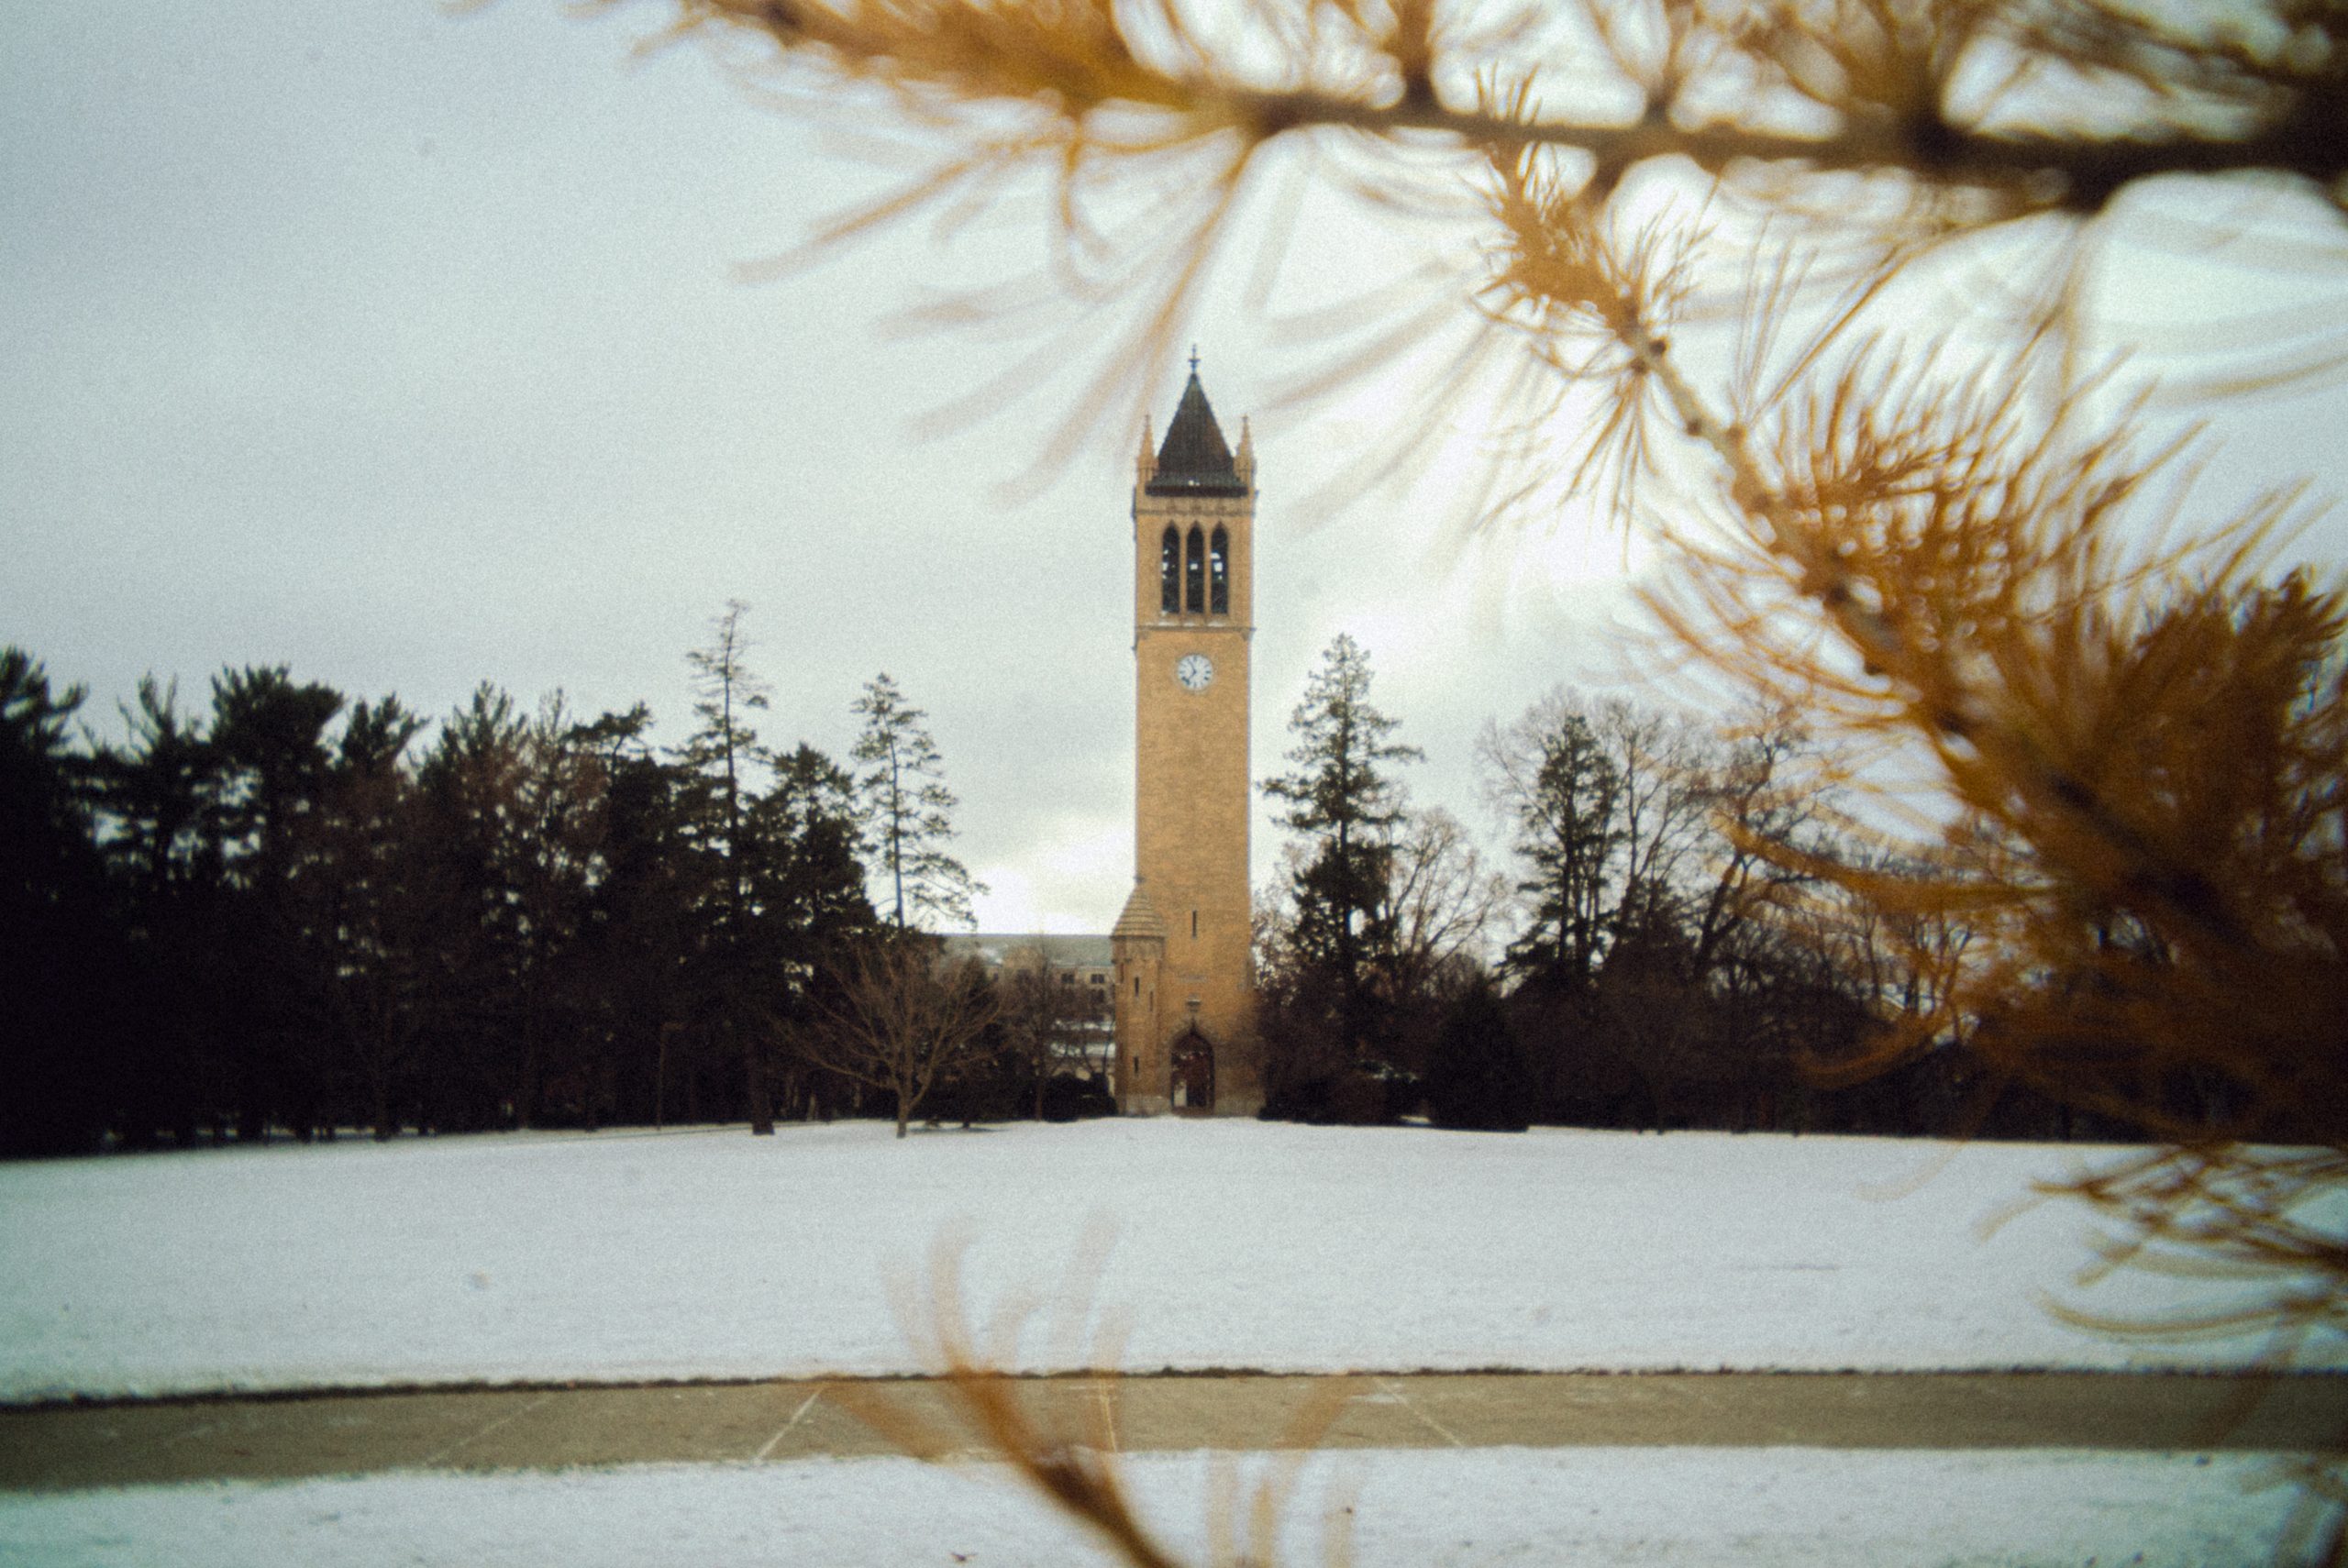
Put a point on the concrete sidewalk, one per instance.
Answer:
(326, 1433)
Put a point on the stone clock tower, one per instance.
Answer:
(1185, 1025)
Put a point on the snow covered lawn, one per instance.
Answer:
(1653, 1508)
(708, 1252)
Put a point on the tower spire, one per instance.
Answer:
(1194, 459)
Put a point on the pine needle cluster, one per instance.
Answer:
(1074, 1462)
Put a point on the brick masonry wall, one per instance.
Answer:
(1191, 833)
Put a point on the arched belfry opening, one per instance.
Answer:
(1192, 1074)
(1194, 573)
(1219, 573)
(1169, 571)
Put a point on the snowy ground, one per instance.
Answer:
(1237, 1244)
(1653, 1508)
(709, 1253)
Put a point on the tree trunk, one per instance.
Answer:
(754, 1067)
(526, 1078)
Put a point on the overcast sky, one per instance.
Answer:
(414, 350)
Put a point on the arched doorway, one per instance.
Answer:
(1193, 1075)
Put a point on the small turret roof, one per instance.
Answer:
(1194, 459)
(1140, 917)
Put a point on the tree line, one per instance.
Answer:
(294, 909)
(1660, 950)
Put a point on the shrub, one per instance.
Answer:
(1476, 1074)
(1068, 1098)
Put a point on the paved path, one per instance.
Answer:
(287, 1436)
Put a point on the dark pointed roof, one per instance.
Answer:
(1194, 459)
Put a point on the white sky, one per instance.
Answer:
(413, 350)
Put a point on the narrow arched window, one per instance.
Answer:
(1195, 572)
(1219, 574)
(1169, 572)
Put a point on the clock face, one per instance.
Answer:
(1194, 670)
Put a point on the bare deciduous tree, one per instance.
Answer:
(1049, 1019)
(1610, 802)
(1445, 902)
(904, 1020)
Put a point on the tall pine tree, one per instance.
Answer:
(908, 813)
(57, 952)
(1342, 799)
(724, 758)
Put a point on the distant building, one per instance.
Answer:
(1081, 960)
(1080, 965)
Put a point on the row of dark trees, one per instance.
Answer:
(297, 911)
(1664, 971)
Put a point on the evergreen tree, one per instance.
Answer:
(639, 926)
(807, 887)
(724, 757)
(1342, 800)
(356, 886)
(808, 879)
(269, 748)
(156, 791)
(908, 812)
(1550, 774)
(469, 819)
(59, 951)
(559, 860)
(269, 740)
(156, 794)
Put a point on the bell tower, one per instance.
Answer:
(1185, 1011)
